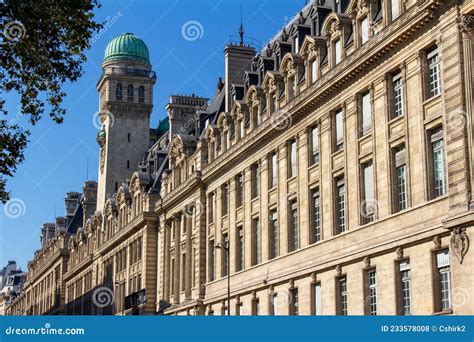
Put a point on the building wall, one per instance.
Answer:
(427, 225)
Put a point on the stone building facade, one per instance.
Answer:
(337, 177)
(330, 174)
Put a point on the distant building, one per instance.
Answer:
(12, 282)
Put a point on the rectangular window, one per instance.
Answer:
(274, 234)
(225, 199)
(212, 207)
(401, 195)
(368, 202)
(364, 30)
(294, 302)
(371, 292)
(292, 159)
(183, 272)
(239, 258)
(339, 125)
(366, 114)
(225, 255)
(256, 242)
(337, 51)
(316, 217)
(314, 70)
(340, 206)
(317, 299)
(434, 72)
(212, 259)
(395, 8)
(239, 190)
(443, 280)
(404, 288)
(341, 302)
(273, 170)
(293, 239)
(397, 95)
(255, 170)
(438, 163)
(314, 145)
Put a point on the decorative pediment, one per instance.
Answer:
(211, 133)
(111, 207)
(272, 81)
(97, 220)
(358, 6)
(225, 122)
(240, 110)
(290, 63)
(123, 195)
(333, 25)
(181, 146)
(255, 96)
(311, 46)
(72, 243)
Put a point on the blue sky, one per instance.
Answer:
(58, 155)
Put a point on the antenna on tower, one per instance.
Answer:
(241, 29)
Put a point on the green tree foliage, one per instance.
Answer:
(42, 47)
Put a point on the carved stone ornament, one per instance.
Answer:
(338, 270)
(399, 252)
(437, 241)
(459, 243)
(466, 23)
(102, 158)
(367, 262)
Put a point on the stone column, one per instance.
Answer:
(264, 206)
(326, 182)
(303, 189)
(283, 197)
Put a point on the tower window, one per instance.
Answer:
(141, 94)
(130, 93)
(128, 137)
(118, 92)
(128, 164)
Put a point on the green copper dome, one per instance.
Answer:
(126, 47)
(163, 126)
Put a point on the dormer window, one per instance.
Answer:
(130, 93)
(118, 92)
(291, 88)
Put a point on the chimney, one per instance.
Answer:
(72, 202)
(89, 203)
(237, 60)
(181, 112)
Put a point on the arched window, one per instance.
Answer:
(118, 92)
(141, 94)
(130, 93)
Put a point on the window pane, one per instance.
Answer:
(292, 159)
(364, 30)
(274, 170)
(317, 299)
(372, 279)
(316, 217)
(339, 131)
(337, 51)
(314, 70)
(293, 231)
(397, 83)
(340, 205)
(434, 73)
(368, 201)
(439, 180)
(274, 234)
(315, 145)
(395, 5)
(366, 124)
